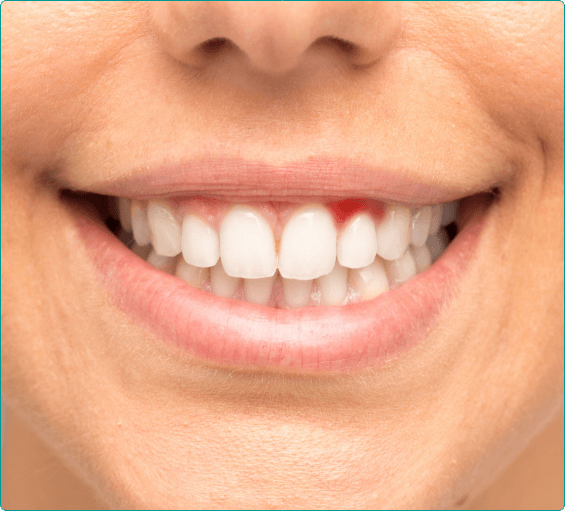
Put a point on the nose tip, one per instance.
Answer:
(274, 37)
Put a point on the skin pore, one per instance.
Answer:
(466, 97)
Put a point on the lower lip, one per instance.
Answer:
(316, 339)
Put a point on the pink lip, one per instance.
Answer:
(239, 179)
(237, 333)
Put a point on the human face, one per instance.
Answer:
(165, 396)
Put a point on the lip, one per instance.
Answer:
(241, 180)
(240, 334)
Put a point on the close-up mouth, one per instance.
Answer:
(290, 280)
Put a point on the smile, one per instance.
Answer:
(299, 283)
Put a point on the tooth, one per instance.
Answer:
(435, 222)
(222, 283)
(258, 290)
(140, 227)
(200, 242)
(165, 229)
(161, 262)
(372, 280)
(422, 258)
(308, 244)
(449, 212)
(437, 243)
(297, 292)
(393, 233)
(247, 244)
(333, 286)
(420, 226)
(357, 244)
(191, 274)
(401, 270)
(124, 211)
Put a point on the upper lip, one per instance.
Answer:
(241, 180)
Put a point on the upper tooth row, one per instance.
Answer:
(308, 246)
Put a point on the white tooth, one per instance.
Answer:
(333, 286)
(165, 229)
(357, 244)
(422, 258)
(372, 280)
(124, 211)
(161, 262)
(401, 270)
(258, 290)
(222, 283)
(140, 251)
(435, 222)
(308, 244)
(449, 212)
(200, 242)
(420, 226)
(297, 292)
(393, 233)
(141, 232)
(437, 243)
(191, 274)
(247, 244)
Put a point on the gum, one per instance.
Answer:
(277, 214)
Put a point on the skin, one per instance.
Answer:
(480, 84)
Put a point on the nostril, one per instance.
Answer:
(346, 47)
(214, 46)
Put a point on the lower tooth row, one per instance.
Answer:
(340, 286)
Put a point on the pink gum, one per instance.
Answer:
(277, 214)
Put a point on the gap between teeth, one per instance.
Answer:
(311, 262)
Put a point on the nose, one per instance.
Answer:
(275, 37)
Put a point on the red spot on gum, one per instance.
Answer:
(344, 209)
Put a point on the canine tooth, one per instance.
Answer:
(165, 229)
(308, 244)
(393, 233)
(333, 286)
(435, 222)
(437, 243)
(258, 290)
(449, 212)
(139, 224)
(297, 292)
(222, 284)
(200, 243)
(191, 274)
(247, 244)
(161, 262)
(372, 280)
(422, 258)
(357, 244)
(124, 212)
(402, 269)
(421, 219)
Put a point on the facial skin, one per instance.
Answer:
(468, 96)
